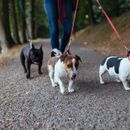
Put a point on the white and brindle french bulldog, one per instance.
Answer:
(63, 65)
(117, 67)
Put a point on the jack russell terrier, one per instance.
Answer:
(62, 65)
(117, 67)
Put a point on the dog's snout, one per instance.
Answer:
(74, 75)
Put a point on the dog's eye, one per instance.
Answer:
(69, 65)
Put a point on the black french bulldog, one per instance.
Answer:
(31, 55)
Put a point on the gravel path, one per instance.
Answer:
(34, 105)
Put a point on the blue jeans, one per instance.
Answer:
(52, 14)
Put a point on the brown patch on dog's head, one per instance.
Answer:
(68, 64)
(71, 64)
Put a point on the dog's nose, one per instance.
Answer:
(74, 75)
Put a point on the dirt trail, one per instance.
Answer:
(34, 105)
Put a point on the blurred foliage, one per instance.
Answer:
(41, 20)
(114, 8)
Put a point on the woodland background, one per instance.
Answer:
(21, 20)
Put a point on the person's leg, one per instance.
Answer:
(52, 14)
(67, 25)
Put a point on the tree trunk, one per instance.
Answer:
(23, 20)
(33, 19)
(3, 42)
(90, 13)
(15, 22)
(6, 23)
(116, 8)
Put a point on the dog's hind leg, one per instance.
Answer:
(22, 59)
(102, 70)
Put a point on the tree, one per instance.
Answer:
(23, 20)
(91, 19)
(82, 15)
(116, 9)
(5, 25)
(33, 18)
(3, 42)
(15, 25)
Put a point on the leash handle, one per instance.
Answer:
(112, 25)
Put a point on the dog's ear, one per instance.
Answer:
(78, 58)
(40, 47)
(32, 46)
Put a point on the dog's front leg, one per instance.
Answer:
(39, 68)
(28, 69)
(126, 85)
(124, 82)
(70, 89)
(61, 85)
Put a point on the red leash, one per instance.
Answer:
(112, 25)
(74, 19)
(73, 24)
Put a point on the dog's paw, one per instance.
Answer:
(40, 72)
(102, 82)
(55, 85)
(62, 91)
(71, 90)
(27, 76)
(127, 88)
(118, 81)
